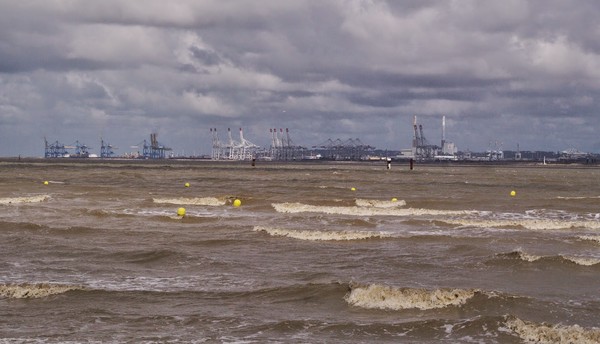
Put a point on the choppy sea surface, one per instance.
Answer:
(316, 253)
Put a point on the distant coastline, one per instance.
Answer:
(396, 164)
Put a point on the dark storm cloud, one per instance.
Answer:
(515, 71)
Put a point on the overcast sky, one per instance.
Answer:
(511, 72)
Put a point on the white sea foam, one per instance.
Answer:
(585, 261)
(545, 333)
(171, 213)
(528, 257)
(595, 238)
(374, 203)
(206, 201)
(577, 197)
(377, 296)
(146, 212)
(532, 224)
(26, 290)
(361, 211)
(321, 235)
(24, 199)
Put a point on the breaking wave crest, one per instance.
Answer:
(37, 290)
(361, 211)
(546, 333)
(385, 297)
(532, 224)
(374, 203)
(522, 256)
(584, 261)
(595, 238)
(321, 235)
(24, 199)
(207, 201)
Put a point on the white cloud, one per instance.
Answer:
(117, 44)
(208, 104)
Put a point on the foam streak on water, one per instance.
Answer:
(375, 203)
(37, 290)
(315, 235)
(292, 208)
(532, 224)
(207, 201)
(24, 199)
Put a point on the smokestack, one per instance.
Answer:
(416, 134)
(443, 131)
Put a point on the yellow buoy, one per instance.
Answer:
(181, 212)
(237, 203)
(513, 193)
(394, 199)
(187, 185)
(353, 188)
(46, 182)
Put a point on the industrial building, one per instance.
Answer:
(422, 149)
(283, 148)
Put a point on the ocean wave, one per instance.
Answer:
(583, 261)
(531, 224)
(293, 208)
(24, 199)
(377, 296)
(145, 257)
(595, 238)
(521, 255)
(321, 235)
(546, 333)
(35, 290)
(374, 203)
(206, 201)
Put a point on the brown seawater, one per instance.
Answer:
(99, 253)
